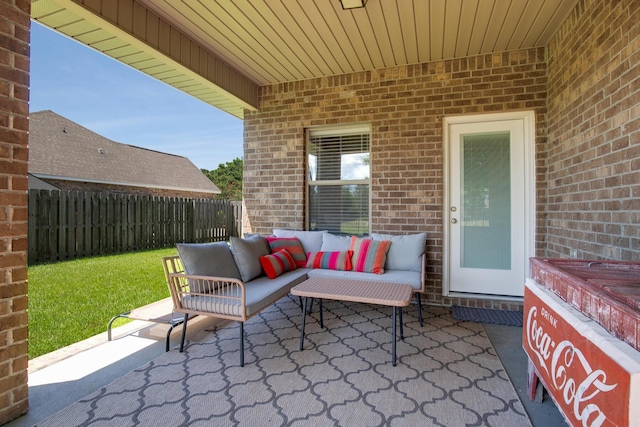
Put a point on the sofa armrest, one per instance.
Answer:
(423, 273)
(221, 297)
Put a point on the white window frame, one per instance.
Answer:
(351, 129)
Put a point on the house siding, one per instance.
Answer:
(593, 155)
(14, 125)
(405, 106)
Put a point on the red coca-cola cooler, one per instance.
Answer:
(591, 371)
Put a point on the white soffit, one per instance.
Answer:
(279, 41)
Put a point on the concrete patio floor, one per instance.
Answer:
(58, 379)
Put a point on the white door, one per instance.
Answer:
(487, 218)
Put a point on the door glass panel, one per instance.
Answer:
(486, 201)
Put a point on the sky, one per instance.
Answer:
(125, 105)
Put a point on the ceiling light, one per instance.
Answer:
(352, 4)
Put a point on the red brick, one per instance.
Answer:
(19, 244)
(19, 214)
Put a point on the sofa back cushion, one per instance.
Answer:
(369, 255)
(247, 253)
(208, 259)
(405, 252)
(333, 242)
(311, 240)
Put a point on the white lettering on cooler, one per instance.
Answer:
(539, 341)
(576, 392)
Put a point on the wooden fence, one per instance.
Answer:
(75, 224)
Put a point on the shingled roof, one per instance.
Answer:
(62, 149)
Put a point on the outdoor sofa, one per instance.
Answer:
(236, 280)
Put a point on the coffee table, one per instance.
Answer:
(396, 295)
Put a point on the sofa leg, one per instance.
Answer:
(419, 308)
(241, 343)
(184, 332)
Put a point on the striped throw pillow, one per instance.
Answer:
(369, 255)
(338, 260)
(277, 263)
(291, 244)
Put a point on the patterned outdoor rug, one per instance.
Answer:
(447, 375)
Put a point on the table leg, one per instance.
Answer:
(393, 343)
(401, 324)
(304, 319)
(321, 319)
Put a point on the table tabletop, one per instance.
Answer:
(365, 291)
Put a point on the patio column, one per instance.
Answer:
(14, 124)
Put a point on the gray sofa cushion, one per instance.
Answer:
(261, 292)
(247, 253)
(208, 259)
(405, 252)
(335, 243)
(390, 276)
(311, 240)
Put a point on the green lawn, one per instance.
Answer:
(73, 300)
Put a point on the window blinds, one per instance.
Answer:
(338, 180)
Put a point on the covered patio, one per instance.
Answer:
(398, 72)
(344, 375)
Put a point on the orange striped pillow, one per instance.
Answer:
(369, 255)
(277, 263)
(291, 244)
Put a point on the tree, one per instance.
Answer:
(228, 178)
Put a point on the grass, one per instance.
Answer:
(70, 301)
(355, 227)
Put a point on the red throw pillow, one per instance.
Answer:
(291, 244)
(277, 263)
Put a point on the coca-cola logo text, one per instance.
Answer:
(569, 370)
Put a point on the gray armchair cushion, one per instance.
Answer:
(247, 253)
(208, 259)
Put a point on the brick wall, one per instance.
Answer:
(594, 133)
(405, 106)
(14, 111)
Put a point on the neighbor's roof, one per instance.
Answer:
(62, 149)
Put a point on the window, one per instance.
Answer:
(338, 174)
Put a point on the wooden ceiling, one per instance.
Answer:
(278, 41)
